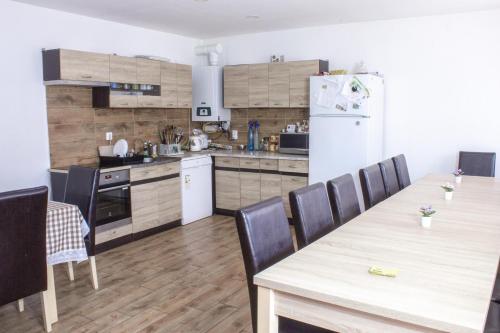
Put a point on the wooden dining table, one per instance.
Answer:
(445, 274)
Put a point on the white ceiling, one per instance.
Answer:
(215, 18)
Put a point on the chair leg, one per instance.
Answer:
(71, 274)
(20, 304)
(93, 272)
(44, 296)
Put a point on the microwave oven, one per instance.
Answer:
(294, 143)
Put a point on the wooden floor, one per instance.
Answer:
(189, 279)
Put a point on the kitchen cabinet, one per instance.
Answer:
(122, 101)
(122, 69)
(148, 71)
(249, 188)
(288, 184)
(279, 85)
(300, 71)
(145, 101)
(227, 185)
(236, 86)
(258, 85)
(270, 185)
(184, 86)
(168, 85)
(155, 197)
(62, 64)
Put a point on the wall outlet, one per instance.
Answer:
(109, 136)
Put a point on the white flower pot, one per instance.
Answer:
(448, 195)
(458, 179)
(426, 221)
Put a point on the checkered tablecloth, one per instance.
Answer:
(66, 229)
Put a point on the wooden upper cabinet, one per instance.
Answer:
(279, 85)
(122, 69)
(236, 86)
(168, 85)
(82, 66)
(300, 71)
(258, 85)
(148, 71)
(184, 76)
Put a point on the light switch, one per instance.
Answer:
(109, 136)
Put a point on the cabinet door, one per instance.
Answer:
(258, 85)
(148, 71)
(270, 186)
(168, 85)
(249, 188)
(122, 69)
(122, 101)
(144, 206)
(227, 189)
(288, 184)
(300, 71)
(169, 200)
(84, 66)
(279, 85)
(149, 101)
(236, 86)
(184, 86)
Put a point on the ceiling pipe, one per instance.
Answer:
(212, 50)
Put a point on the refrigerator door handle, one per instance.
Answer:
(339, 116)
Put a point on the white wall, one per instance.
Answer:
(442, 77)
(24, 147)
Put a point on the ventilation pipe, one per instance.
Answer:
(212, 51)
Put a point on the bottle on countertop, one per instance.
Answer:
(256, 143)
(250, 136)
(146, 149)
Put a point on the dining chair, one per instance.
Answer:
(389, 177)
(265, 239)
(402, 171)
(477, 163)
(81, 190)
(493, 319)
(311, 213)
(495, 297)
(372, 185)
(343, 199)
(23, 268)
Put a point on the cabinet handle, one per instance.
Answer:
(124, 104)
(277, 104)
(86, 76)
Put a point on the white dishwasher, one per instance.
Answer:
(196, 178)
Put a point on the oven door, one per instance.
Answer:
(113, 204)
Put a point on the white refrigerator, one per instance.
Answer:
(346, 129)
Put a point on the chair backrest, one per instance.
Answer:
(389, 177)
(311, 212)
(81, 190)
(265, 239)
(402, 171)
(477, 164)
(23, 264)
(343, 199)
(372, 185)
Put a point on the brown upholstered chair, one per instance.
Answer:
(81, 190)
(477, 164)
(372, 185)
(493, 320)
(343, 199)
(23, 268)
(312, 215)
(389, 177)
(402, 171)
(265, 239)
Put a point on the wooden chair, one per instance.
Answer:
(23, 268)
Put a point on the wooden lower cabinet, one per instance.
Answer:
(227, 189)
(270, 186)
(249, 188)
(155, 204)
(288, 184)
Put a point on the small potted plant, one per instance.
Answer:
(448, 191)
(458, 175)
(427, 213)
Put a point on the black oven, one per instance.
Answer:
(113, 198)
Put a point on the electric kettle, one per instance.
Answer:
(195, 142)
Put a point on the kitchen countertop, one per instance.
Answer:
(160, 160)
(248, 154)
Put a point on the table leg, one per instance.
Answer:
(267, 320)
(71, 273)
(51, 293)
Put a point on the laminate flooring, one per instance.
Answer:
(188, 279)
